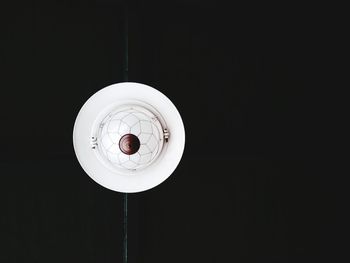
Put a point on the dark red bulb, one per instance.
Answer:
(129, 144)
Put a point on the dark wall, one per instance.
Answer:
(246, 189)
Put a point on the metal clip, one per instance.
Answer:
(93, 142)
(166, 134)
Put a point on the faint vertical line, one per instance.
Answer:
(125, 226)
(126, 44)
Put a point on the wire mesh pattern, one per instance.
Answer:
(130, 120)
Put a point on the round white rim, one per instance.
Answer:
(108, 97)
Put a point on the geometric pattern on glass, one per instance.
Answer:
(134, 120)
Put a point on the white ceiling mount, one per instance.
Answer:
(129, 137)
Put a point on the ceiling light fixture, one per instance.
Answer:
(129, 137)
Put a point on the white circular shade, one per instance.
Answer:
(129, 108)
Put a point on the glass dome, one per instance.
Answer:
(130, 138)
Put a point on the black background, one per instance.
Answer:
(247, 188)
